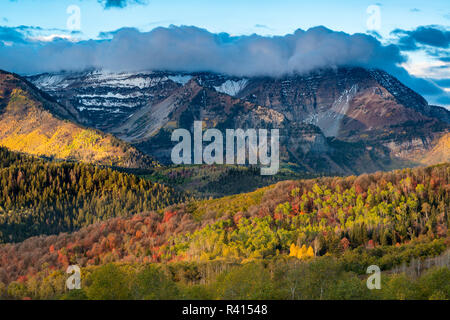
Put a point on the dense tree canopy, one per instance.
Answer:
(327, 214)
(47, 197)
(326, 231)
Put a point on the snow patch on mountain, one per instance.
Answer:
(111, 95)
(51, 81)
(181, 79)
(107, 103)
(232, 87)
(126, 81)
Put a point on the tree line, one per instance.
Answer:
(319, 279)
(40, 197)
(382, 218)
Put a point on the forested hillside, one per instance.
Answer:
(388, 219)
(206, 181)
(48, 197)
(32, 122)
(328, 214)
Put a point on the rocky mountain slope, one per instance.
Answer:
(345, 120)
(32, 122)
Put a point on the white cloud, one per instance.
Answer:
(52, 37)
(421, 65)
(191, 49)
(195, 49)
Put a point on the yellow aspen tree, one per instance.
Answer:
(301, 253)
(310, 252)
(293, 250)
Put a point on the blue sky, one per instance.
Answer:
(267, 17)
(424, 59)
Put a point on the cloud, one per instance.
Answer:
(52, 37)
(374, 34)
(438, 53)
(28, 34)
(430, 68)
(442, 82)
(434, 36)
(11, 35)
(191, 49)
(108, 4)
(443, 100)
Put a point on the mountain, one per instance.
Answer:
(333, 121)
(103, 100)
(33, 122)
(206, 181)
(440, 151)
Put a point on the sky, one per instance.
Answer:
(410, 39)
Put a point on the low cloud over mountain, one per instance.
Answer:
(193, 49)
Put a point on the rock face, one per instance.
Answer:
(102, 100)
(345, 120)
(32, 122)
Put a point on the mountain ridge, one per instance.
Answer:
(352, 108)
(32, 122)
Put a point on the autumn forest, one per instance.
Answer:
(299, 239)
